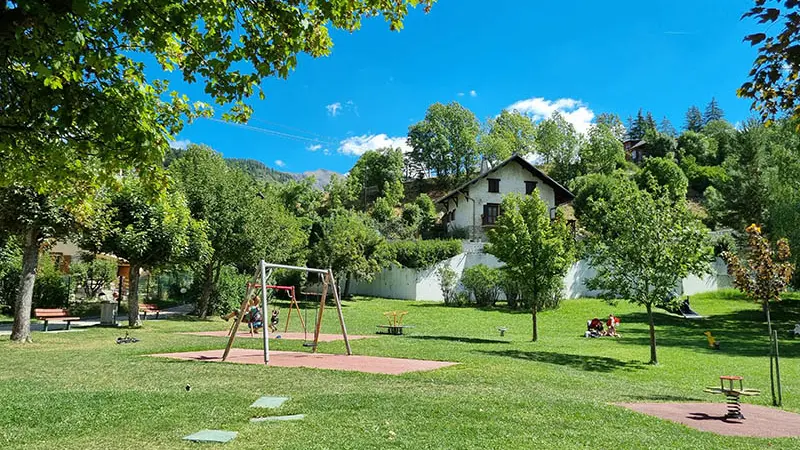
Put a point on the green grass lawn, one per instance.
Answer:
(81, 390)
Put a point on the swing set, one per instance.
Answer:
(292, 304)
(254, 288)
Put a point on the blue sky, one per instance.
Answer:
(582, 58)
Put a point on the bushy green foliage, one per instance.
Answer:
(663, 173)
(93, 274)
(52, 288)
(536, 250)
(702, 177)
(483, 282)
(588, 189)
(445, 141)
(382, 211)
(510, 287)
(700, 146)
(602, 152)
(508, 133)
(229, 291)
(348, 243)
(421, 254)
(641, 245)
(448, 280)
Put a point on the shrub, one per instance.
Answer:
(482, 282)
(229, 294)
(447, 281)
(418, 254)
(510, 288)
(663, 172)
(93, 274)
(52, 287)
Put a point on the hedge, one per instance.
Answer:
(421, 254)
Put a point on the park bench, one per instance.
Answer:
(145, 308)
(53, 314)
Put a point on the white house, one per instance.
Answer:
(475, 205)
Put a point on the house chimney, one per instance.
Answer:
(484, 166)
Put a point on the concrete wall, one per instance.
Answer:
(409, 284)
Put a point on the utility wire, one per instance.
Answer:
(276, 133)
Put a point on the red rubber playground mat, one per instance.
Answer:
(759, 421)
(292, 336)
(357, 363)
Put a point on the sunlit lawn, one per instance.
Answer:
(81, 390)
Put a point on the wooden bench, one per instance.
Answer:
(145, 308)
(55, 314)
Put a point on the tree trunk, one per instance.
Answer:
(208, 285)
(653, 357)
(346, 293)
(21, 330)
(133, 298)
(765, 306)
(535, 324)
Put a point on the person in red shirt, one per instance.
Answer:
(612, 323)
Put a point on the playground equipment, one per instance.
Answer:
(292, 303)
(395, 319)
(712, 342)
(687, 312)
(732, 394)
(265, 271)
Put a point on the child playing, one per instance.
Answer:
(273, 321)
(612, 323)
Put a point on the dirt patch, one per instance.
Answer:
(357, 363)
(759, 421)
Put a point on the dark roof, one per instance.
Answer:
(562, 194)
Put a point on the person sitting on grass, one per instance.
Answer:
(594, 328)
(612, 323)
(273, 321)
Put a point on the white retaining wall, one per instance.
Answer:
(409, 284)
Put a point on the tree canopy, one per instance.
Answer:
(774, 85)
(642, 245)
(445, 141)
(536, 250)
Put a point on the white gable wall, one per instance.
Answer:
(512, 179)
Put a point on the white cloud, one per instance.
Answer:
(573, 111)
(180, 144)
(472, 93)
(460, 94)
(280, 163)
(334, 108)
(314, 147)
(358, 145)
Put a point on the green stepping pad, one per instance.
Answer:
(211, 436)
(269, 402)
(277, 418)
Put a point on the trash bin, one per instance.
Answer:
(108, 314)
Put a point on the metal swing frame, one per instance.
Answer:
(265, 270)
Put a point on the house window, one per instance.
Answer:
(494, 184)
(452, 215)
(529, 187)
(490, 213)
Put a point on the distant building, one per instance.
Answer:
(475, 205)
(635, 150)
